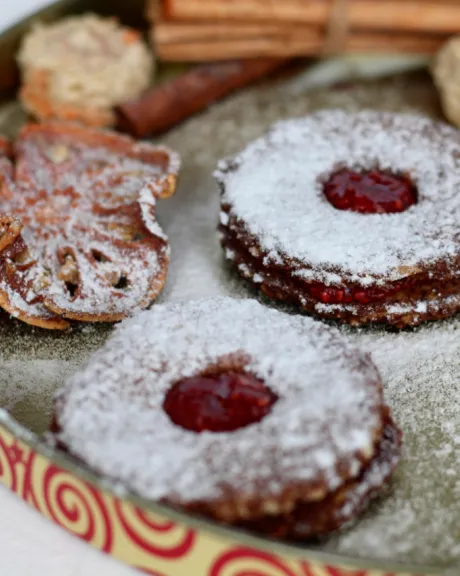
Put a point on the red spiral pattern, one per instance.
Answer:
(27, 492)
(8, 475)
(71, 503)
(249, 562)
(74, 504)
(153, 535)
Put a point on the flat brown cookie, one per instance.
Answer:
(235, 411)
(22, 278)
(353, 217)
(86, 200)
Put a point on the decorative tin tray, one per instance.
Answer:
(415, 525)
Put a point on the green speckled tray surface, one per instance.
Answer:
(418, 521)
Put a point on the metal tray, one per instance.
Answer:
(415, 526)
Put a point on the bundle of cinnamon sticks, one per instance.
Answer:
(204, 30)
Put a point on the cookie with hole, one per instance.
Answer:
(349, 216)
(235, 411)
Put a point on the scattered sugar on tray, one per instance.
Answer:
(420, 371)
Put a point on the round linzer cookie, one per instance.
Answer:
(234, 411)
(354, 217)
(81, 67)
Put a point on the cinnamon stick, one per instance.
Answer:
(433, 16)
(176, 100)
(309, 43)
(171, 32)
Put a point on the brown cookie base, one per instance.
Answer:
(307, 520)
(313, 519)
(303, 520)
(430, 295)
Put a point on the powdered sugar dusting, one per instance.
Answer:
(419, 520)
(275, 188)
(112, 417)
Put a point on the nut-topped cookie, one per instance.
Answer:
(235, 411)
(351, 216)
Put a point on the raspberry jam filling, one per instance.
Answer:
(373, 192)
(333, 295)
(218, 402)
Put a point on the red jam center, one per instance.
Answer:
(219, 402)
(346, 295)
(373, 192)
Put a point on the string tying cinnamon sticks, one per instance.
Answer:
(337, 28)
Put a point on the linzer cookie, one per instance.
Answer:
(85, 244)
(81, 67)
(234, 411)
(354, 217)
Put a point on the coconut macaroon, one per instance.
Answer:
(81, 67)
